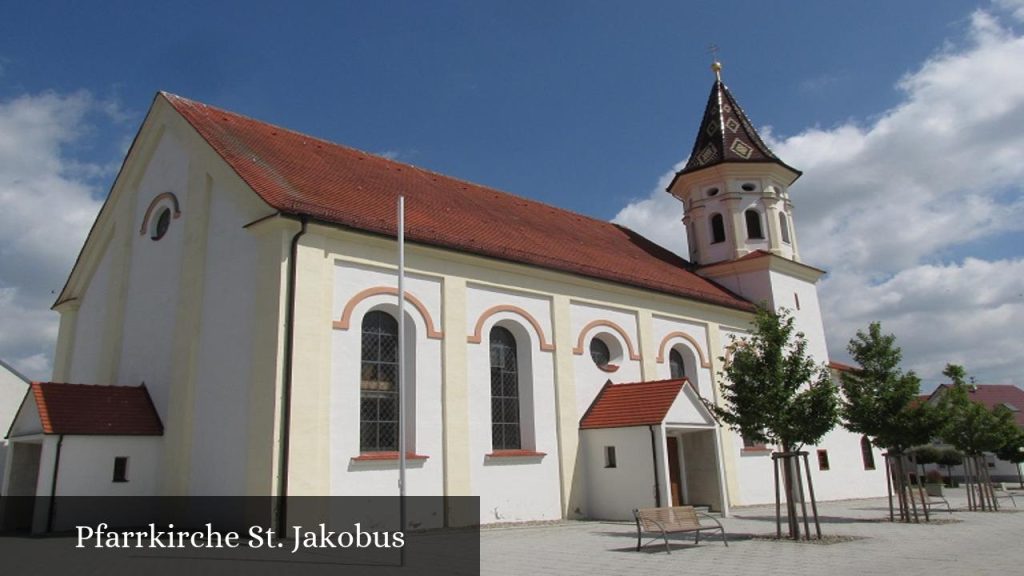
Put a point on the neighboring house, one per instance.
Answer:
(12, 390)
(247, 275)
(990, 396)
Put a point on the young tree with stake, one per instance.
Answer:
(774, 393)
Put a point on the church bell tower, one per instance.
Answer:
(734, 189)
(739, 218)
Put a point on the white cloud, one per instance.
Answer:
(47, 203)
(881, 202)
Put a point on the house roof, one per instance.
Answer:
(842, 367)
(636, 404)
(92, 409)
(727, 135)
(300, 175)
(992, 395)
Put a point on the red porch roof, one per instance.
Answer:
(92, 409)
(637, 404)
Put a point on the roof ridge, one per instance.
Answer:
(381, 158)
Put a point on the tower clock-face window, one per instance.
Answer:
(717, 229)
(754, 231)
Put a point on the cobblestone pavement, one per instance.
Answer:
(972, 543)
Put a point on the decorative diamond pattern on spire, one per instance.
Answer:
(727, 135)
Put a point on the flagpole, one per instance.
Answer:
(401, 368)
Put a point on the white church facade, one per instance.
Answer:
(230, 328)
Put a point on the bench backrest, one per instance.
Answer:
(673, 518)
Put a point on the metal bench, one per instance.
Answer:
(999, 491)
(929, 502)
(673, 520)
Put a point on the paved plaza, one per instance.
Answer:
(974, 543)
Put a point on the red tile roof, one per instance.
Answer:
(301, 175)
(91, 409)
(992, 395)
(637, 404)
(841, 367)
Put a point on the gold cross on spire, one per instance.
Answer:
(716, 66)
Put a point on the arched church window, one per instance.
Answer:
(784, 227)
(505, 428)
(753, 225)
(378, 397)
(676, 364)
(717, 228)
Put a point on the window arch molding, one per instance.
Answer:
(582, 342)
(163, 199)
(673, 339)
(377, 295)
(505, 311)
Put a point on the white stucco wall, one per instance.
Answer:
(513, 488)
(424, 428)
(692, 345)
(590, 378)
(613, 493)
(93, 313)
(87, 466)
(227, 325)
(13, 387)
(807, 318)
(151, 303)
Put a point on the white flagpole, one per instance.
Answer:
(401, 361)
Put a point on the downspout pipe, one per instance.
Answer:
(654, 462)
(53, 487)
(286, 386)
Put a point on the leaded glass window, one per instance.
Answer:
(378, 402)
(505, 428)
(676, 365)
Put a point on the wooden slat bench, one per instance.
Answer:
(673, 520)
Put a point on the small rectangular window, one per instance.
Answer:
(121, 469)
(822, 459)
(609, 457)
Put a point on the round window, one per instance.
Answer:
(712, 192)
(163, 222)
(599, 352)
(749, 187)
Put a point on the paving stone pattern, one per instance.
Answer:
(976, 543)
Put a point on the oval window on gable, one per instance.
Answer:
(162, 223)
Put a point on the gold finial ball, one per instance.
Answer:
(716, 66)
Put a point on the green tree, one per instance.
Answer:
(1013, 451)
(879, 400)
(974, 430)
(774, 393)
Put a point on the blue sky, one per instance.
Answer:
(585, 105)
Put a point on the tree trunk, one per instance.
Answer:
(791, 490)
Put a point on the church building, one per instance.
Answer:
(231, 325)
